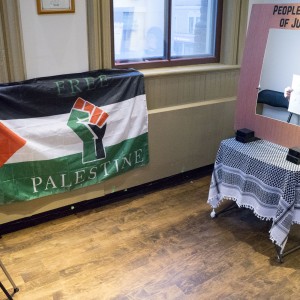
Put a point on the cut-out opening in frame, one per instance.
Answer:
(55, 6)
(280, 66)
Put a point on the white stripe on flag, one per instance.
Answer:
(51, 137)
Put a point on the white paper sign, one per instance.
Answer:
(56, 4)
(294, 104)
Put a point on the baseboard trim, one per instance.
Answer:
(105, 200)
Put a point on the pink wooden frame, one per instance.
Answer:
(262, 19)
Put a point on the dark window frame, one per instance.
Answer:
(171, 62)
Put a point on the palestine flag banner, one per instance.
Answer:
(66, 132)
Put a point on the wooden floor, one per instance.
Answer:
(162, 245)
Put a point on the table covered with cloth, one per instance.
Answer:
(257, 176)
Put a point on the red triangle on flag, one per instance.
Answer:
(10, 142)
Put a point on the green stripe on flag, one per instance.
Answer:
(35, 179)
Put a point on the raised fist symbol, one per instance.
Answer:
(88, 122)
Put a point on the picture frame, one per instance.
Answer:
(263, 19)
(55, 6)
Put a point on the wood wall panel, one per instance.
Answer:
(12, 66)
(167, 91)
(3, 73)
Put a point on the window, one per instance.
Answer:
(157, 33)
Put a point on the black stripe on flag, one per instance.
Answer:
(46, 96)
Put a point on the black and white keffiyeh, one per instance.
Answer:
(257, 175)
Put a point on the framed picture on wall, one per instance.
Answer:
(55, 6)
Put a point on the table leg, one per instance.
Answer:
(231, 206)
(281, 253)
(9, 297)
(16, 289)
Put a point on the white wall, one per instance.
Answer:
(281, 59)
(54, 43)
